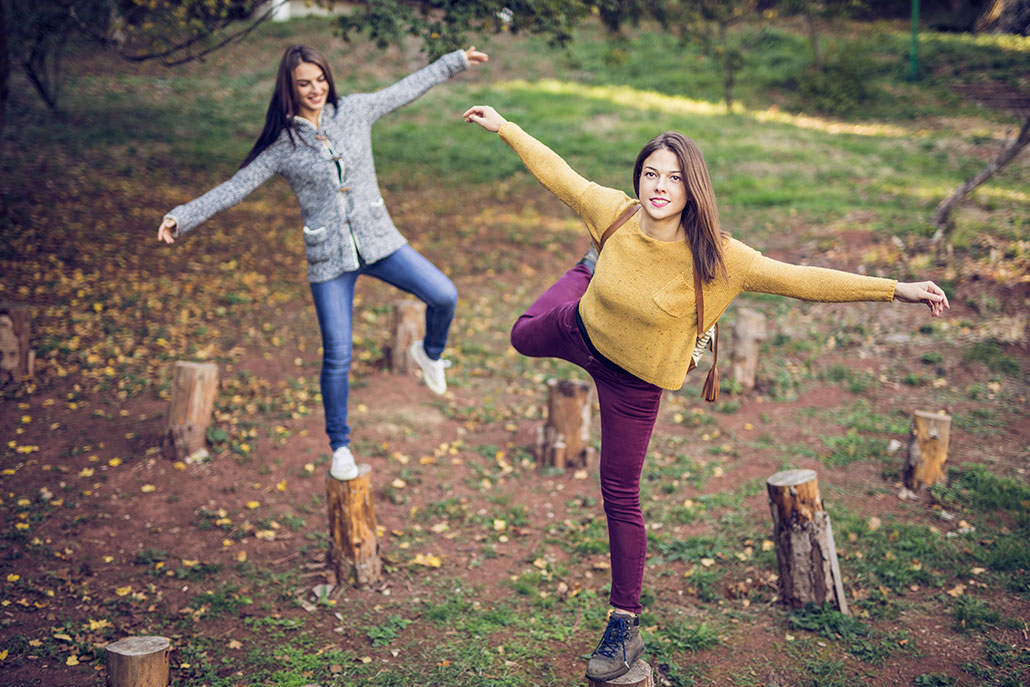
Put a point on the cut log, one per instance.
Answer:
(353, 543)
(17, 360)
(927, 449)
(194, 387)
(409, 324)
(564, 439)
(805, 552)
(639, 675)
(138, 662)
(748, 334)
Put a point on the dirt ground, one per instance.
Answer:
(101, 499)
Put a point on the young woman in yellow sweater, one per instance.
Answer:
(633, 324)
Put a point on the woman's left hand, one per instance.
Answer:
(476, 57)
(922, 292)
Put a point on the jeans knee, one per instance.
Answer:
(336, 359)
(520, 339)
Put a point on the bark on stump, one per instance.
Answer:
(138, 662)
(564, 439)
(927, 449)
(749, 332)
(409, 324)
(17, 360)
(805, 551)
(353, 543)
(639, 675)
(194, 387)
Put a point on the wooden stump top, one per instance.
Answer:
(639, 675)
(139, 646)
(791, 478)
(794, 496)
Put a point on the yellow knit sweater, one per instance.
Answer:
(639, 308)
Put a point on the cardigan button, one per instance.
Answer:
(320, 137)
(344, 188)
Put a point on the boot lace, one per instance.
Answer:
(614, 639)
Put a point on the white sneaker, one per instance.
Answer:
(432, 370)
(343, 467)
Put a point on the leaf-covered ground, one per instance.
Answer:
(496, 570)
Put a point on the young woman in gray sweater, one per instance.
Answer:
(322, 145)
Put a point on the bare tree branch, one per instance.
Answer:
(940, 215)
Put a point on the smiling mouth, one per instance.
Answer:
(660, 202)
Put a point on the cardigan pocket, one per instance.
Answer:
(317, 244)
(676, 298)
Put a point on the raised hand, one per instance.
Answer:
(923, 292)
(485, 116)
(476, 57)
(166, 232)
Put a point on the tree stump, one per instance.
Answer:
(409, 324)
(353, 543)
(138, 662)
(639, 675)
(927, 449)
(17, 360)
(805, 551)
(564, 439)
(749, 332)
(194, 386)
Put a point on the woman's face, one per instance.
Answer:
(311, 88)
(661, 190)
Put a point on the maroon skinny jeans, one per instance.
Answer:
(629, 406)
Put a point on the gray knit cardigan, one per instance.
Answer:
(338, 217)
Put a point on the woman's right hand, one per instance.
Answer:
(485, 116)
(167, 231)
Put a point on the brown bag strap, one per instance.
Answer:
(620, 220)
(711, 386)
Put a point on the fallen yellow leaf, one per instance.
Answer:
(147, 488)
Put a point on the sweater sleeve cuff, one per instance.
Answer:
(509, 131)
(465, 59)
(175, 231)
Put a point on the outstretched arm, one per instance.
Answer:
(412, 86)
(184, 217)
(597, 205)
(765, 275)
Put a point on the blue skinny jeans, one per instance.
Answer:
(334, 303)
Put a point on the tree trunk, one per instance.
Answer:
(409, 325)
(1004, 16)
(940, 215)
(5, 74)
(927, 449)
(805, 552)
(813, 39)
(639, 675)
(353, 541)
(138, 662)
(564, 439)
(748, 333)
(17, 360)
(194, 387)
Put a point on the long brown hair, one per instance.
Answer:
(284, 106)
(700, 217)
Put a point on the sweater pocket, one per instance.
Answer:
(317, 244)
(676, 298)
